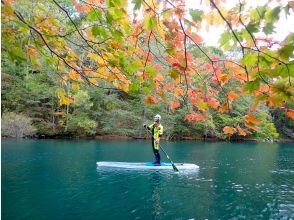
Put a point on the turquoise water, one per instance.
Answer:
(53, 179)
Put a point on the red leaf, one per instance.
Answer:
(208, 67)
(213, 58)
(177, 64)
(290, 113)
(169, 87)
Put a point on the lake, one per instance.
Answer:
(58, 179)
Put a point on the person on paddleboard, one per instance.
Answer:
(157, 131)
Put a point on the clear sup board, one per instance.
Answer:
(148, 166)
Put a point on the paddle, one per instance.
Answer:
(173, 165)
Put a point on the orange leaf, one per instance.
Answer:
(232, 95)
(213, 103)
(193, 116)
(58, 113)
(251, 119)
(149, 100)
(159, 77)
(196, 38)
(251, 125)
(169, 87)
(73, 75)
(157, 67)
(228, 130)
(241, 131)
(178, 91)
(290, 113)
(175, 104)
(223, 79)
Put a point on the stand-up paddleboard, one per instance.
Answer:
(148, 166)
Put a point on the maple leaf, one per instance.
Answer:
(178, 92)
(159, 77)
(232, 95)
(228, 130)
(193, 116)
(149, 100)
(251, 118)
(241, 131)
(175, 104)
(290, 113)
(213, 103)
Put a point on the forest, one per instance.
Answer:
(93, 68)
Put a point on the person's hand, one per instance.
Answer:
(157, 140)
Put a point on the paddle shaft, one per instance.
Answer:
(174, 166)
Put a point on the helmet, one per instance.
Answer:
(157, 117)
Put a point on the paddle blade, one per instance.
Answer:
(175, 168)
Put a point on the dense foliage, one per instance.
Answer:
(85, 67)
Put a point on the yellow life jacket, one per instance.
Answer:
(156, 130)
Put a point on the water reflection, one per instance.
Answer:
(155, 194)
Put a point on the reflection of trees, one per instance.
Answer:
(155, 194)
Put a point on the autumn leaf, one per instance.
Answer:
(149, 100)
(75, 86)
(251, 118)
(159, 77)
(290, 113)
(178, 91)
(193, 116)
(241, 131)
(213, 103)
(229, 130)
(175, 104)
(232, 95)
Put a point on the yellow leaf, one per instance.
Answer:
(74, 76)
(93, 81)
(97, 58)
(75, 86)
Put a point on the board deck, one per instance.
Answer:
(148, 165)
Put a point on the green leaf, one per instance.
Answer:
(96, 30)
(253, 27)
(250, 60)
(252, 85)
(268, 28)
(117, 35)
(272, 15)
(286, 51)
(196, 14)
(137, 4)
(16, 53)
(134, 88)
(224, 40)
(146, 88)
(151, 71)
(94, 15)
(150, 23)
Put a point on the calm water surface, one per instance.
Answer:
(50, 179)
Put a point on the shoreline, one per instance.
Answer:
(122, 137)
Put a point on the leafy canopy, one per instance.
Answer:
(157, 51)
